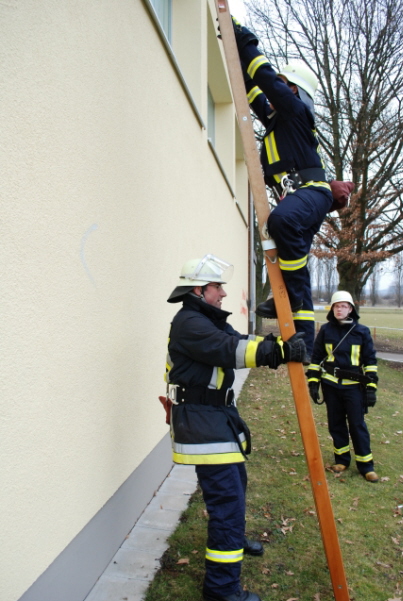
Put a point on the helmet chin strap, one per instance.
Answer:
(202, 294)
(199, 296)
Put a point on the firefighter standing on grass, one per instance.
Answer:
(344, 363)
(206, 429)
(292, 167)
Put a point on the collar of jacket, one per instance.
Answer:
(354, 319)
(218, 316)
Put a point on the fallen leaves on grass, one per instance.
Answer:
(183, 561)
(383, 565)
(310, 511)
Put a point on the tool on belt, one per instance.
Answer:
(290, 182)
(295, 179)
(197, 396)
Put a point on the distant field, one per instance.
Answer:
(386, 318)
(386, 326)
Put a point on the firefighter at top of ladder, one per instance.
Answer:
(292, 167)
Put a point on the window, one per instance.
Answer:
(163, 8)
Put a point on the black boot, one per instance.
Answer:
(239, 596)
(268, 309)
(252, 547)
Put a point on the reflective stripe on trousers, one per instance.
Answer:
(292, 225)
(224, 488)
(345, 414)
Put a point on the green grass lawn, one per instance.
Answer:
(281, 511)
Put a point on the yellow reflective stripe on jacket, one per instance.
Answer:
(213, 379)
(208, 448)
(224, 556)
(168, 366)
(370, 368)
(217, 378)
(220, 377)
(317, 184)
(329, 352)
(208, 459)
(355, 354)
(212, 453)
(273, 155)
(331, 378)
(304, 315)
(271, 149)
(250, 354)
(257, 62)
(254, 93)
(245, 355)
(364, 459)
(293, 265)
(342, 450)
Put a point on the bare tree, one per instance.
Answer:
(398, 263)
(374, 285)
(355, 47)
(330, 275)
(315, 268)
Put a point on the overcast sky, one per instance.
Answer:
(237, 9)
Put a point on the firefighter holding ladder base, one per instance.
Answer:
(206, 428)
(292, 168)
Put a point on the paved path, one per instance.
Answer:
(130, 572)
(397, 357)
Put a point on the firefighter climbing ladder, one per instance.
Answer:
(283, 308)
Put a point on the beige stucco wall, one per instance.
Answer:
(108, 186)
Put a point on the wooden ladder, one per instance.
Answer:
(283, 308)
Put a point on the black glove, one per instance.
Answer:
(242, 35)
(314, 392)
(294, 349)
(371, 397)
(269, 352)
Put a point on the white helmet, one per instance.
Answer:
(199, 272)
(342, 296)
(297, 72)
